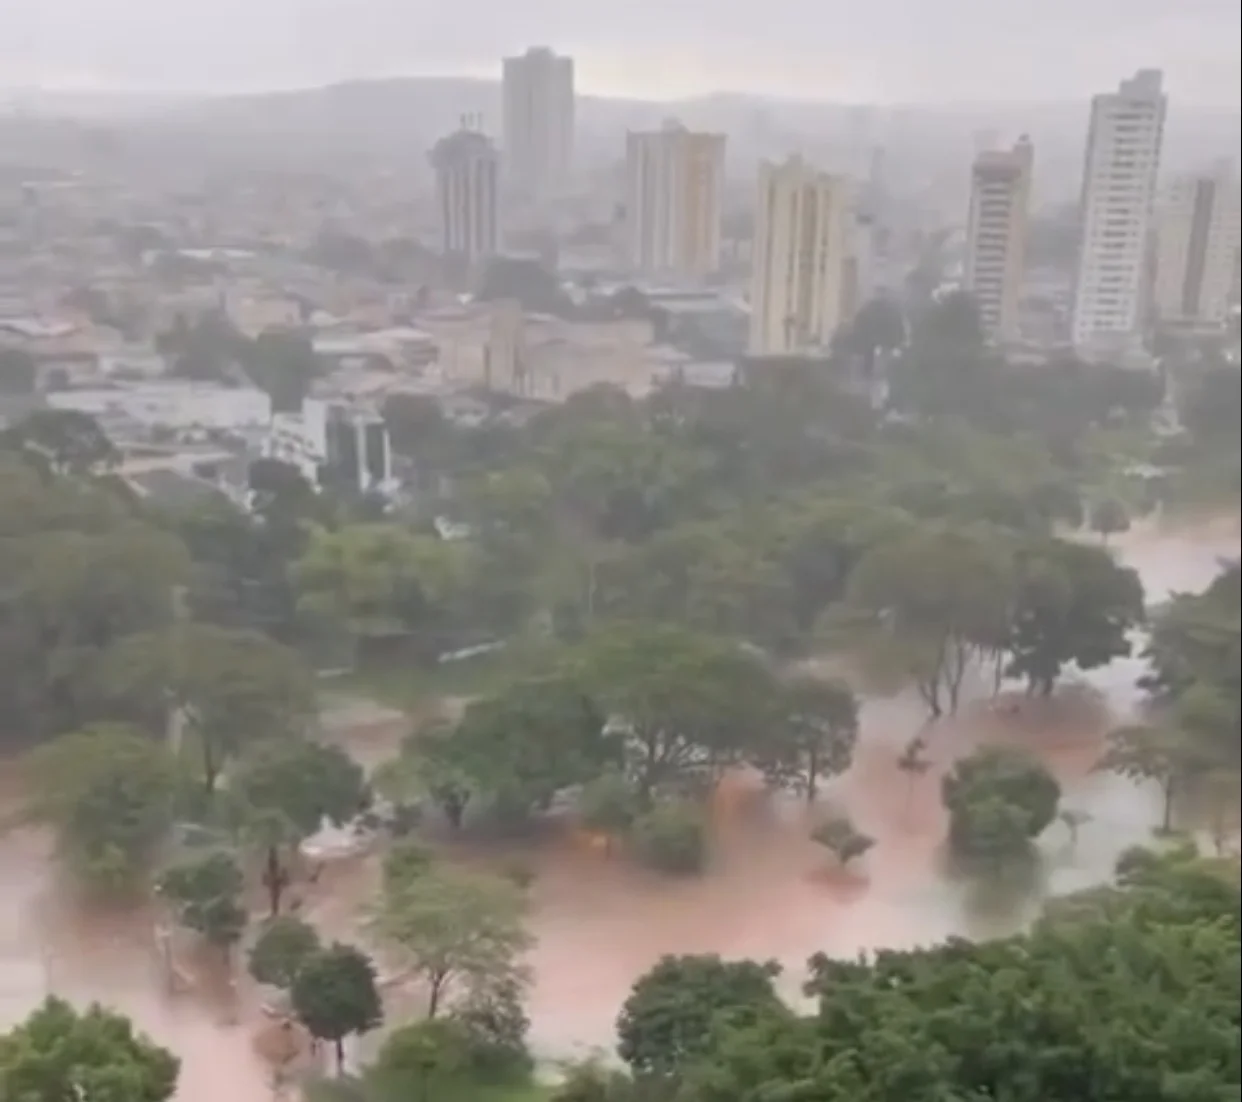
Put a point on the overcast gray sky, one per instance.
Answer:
(861, 50)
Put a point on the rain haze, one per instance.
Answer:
(882, 51)
(514, 513)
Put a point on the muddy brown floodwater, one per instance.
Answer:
(600, 922)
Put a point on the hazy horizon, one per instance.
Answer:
(885, 52)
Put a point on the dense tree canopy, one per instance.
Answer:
(59, 1054)
(1129, 993)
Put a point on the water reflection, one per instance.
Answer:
(769, 892)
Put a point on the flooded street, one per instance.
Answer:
(600, 922)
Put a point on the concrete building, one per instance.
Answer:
(673, 201)
(1197, 247)
(172, 405)
(1122, 163)
(799, 264)
(996, 229)
(538, 139)
(467, 169)
(505, 360)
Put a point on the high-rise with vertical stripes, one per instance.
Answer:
(996, 236)
(1121, 167)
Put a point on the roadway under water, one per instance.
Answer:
(600, 922)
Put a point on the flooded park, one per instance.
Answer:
(600, 921)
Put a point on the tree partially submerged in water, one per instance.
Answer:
(999, 799)
(334, 995)
(840, 837)
(108, 792)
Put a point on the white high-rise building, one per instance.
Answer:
(673, 199)
(538, 139)
(996, 230)
(1118, 198)
(467, 170)
(1198, 225)
(799, 259)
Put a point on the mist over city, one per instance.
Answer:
(620, 554)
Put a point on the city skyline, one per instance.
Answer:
(795, 51)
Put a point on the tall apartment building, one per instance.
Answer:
(467, 170)
(538, 138)
(1198, 227)
(1122, 163)
(673, 196)
(1000, 188)
(800, 258)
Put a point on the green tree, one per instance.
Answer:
(455, 929)
(205, 893)
(334, 994)
(1108, 516)
(283, 946)
(286, 789)
(59, 1054)
(381, 580)
(998, 800)
(1072, 604)
(1152, 753)
(815, 735)
(63, 441)
(842, 839)
(931, 602)
(1129, 992)
(689, 705)
(427, 1061)
(669, 1017)
(527, 742)
(230, 687)
(609, 805)
(672, 837)
(108, 793)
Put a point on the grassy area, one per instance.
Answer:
(407, 685)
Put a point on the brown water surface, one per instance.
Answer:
(769, 892)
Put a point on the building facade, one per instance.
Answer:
(673, 199)
(467, 169)
(996, 229)
(800, 260)
(1122, 164)
(538, 139)
(1197, 247)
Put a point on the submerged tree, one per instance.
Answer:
(842, 839)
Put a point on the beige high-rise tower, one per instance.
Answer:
(798, 261)
(1197, 246)
(1000, 189)
(1124, 143)
(538, 92)
(673, 196)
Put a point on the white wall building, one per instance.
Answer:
(801, 247)
(1122, 163)
(673, 200)
(1198, 226)
(996, 230)
(467, 169)
(538, 140)
(172, 405)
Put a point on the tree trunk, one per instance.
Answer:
(812, 777)
(340, 1056)
(433, 995)
(209, 767)
(273, 880)
(1166, 822)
